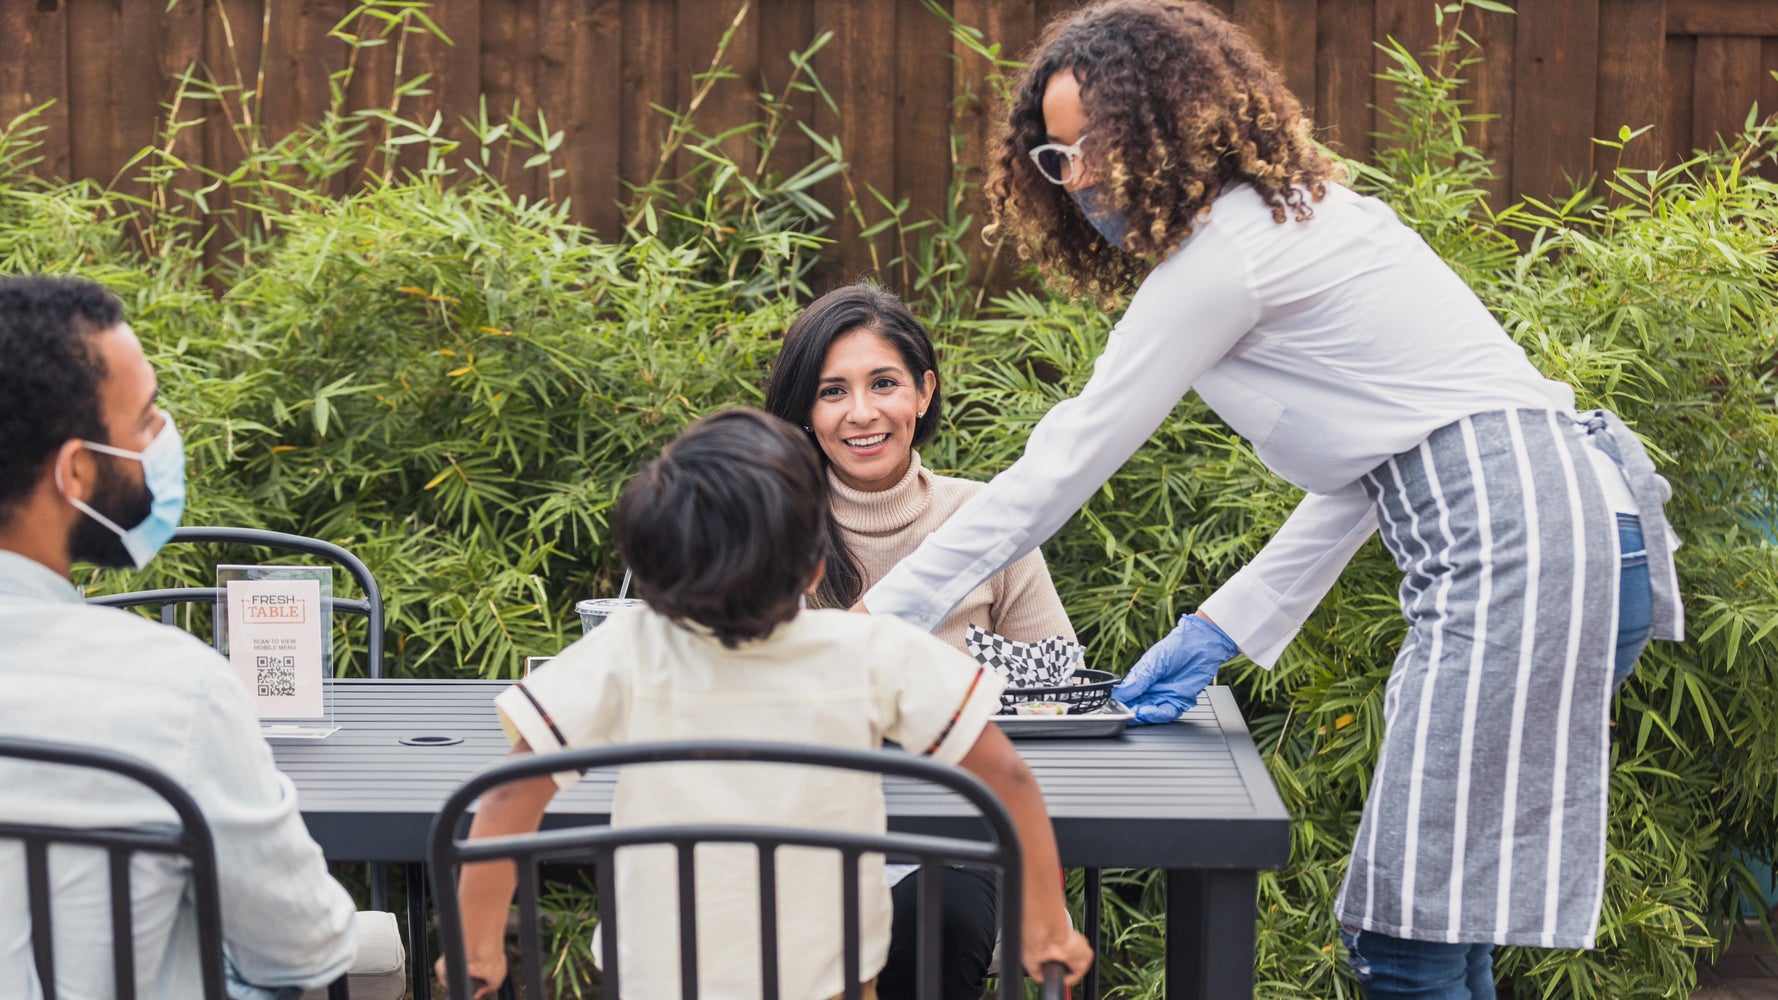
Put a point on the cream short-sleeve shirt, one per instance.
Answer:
(826, 677)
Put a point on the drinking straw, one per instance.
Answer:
(624, 588)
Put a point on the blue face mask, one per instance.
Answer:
(1095, 204)
(163, 470)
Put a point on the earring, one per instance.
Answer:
(806, 427)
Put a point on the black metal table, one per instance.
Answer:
(1192, 798)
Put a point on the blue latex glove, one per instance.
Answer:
(1167, 680)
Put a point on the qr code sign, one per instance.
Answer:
(277, 676)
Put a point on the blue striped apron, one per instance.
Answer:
(1485, 820)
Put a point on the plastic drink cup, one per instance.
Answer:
(594, 611)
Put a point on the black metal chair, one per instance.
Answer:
(1000, 851)
(370, 606)
(192, 841)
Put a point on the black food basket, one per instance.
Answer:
(1086, 691)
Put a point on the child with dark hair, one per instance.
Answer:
(728, 528)
(726, 532)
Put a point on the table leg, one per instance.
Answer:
(1210, 918)
(418, 955)
(1091, 917)
(379, 886)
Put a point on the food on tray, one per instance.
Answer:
(1040, 708)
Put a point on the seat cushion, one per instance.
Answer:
(380, 973)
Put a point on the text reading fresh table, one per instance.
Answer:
(1192, 798)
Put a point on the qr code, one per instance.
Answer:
(277, 676)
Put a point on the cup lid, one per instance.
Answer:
(606, 605)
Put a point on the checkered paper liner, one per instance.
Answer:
(1044, 663)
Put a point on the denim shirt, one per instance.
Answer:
(112, 679)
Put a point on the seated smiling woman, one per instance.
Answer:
(858, 373)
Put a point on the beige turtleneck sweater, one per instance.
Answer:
(882, 528)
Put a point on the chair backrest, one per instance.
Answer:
(371, 606)
(999, 851)
(191, 841)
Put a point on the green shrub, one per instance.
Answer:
(455, 384)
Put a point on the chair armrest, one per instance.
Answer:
(380, 971)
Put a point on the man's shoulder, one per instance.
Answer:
(110, 678)
(151, 636)
(87, 639)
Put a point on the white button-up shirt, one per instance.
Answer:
(107, 678)
(1330, 345)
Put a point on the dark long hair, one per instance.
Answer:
(796, 378)
(1180, 105)
(726, 527)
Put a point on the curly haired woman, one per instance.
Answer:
(1151, 150)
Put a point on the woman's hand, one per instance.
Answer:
(1051, 943)
(486, 973)
(1170, 676)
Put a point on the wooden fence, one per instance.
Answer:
(1554, 76)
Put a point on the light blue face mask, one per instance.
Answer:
(1095, 204)
(163, 469)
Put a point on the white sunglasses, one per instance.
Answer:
(1058, 162)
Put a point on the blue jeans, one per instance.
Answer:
(1635, 604)
(1392, 968)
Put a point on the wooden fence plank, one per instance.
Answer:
(372, 85)
(1013, 26)
(509, 79)
(282, 63)
(1768, 95)
(865, 122)
(577, 89)
(923, 88)
(1554, 102)
(299, 58)
(1285, 30)
(648, 79)
(1048, 11)
(453, 68)
(1725, 87)
(233, 38)
(1488, 87)
(139, 88)
(1343, 84)
(1678, 60)
(732, 102)
(92, 89)
(181, 52)
(1720, 17)
(1409, 23)
(1768, 77)
(33, 71)
(786, 28)
(1631, 36)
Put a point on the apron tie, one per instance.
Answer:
(1650, 490)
